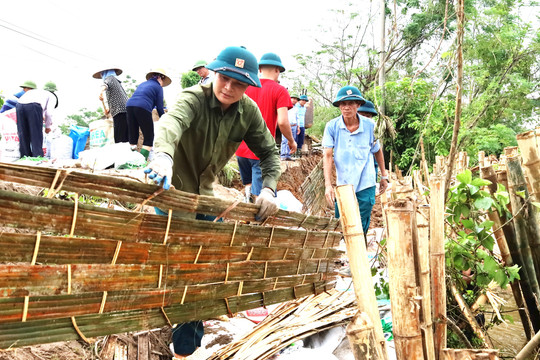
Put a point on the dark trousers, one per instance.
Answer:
(139, 118)
(300, 138)
(186, 337)
(120, 128)
(366, 200)
(30, 129)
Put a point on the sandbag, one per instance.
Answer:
(101, 133)
(61, 147)
(9, 142)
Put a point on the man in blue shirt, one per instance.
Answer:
(301, 116)
(349, 142)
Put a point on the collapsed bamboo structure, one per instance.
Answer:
(76, 271)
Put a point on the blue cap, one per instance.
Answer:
(348, 93)
(237, 63)
(304, 97)
(368, 107)
(272, 60)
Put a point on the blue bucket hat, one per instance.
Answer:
(348, 93)
(272, 60)
(304, 97)
(237, 63)
(368, 107)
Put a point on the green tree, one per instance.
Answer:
(130, 84)
(189, 79)
(83, 118)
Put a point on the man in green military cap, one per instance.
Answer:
(206, 75)
(199, 135)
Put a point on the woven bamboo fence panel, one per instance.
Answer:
(313, 191)
(72, 270)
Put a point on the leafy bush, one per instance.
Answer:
(471, 245)
(189, 79)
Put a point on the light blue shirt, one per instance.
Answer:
(352, 152)
(301, 115)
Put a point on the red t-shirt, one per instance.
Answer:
(270, 97)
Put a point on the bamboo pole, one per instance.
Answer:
(527, 230)
(404, 290)
(532, 346)
(509, 257)
(422, 256)
(358, 262)
(467, 313)
(437, 261)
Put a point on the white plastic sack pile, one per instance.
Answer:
(110, 155)
(61, 146)
(9, 143)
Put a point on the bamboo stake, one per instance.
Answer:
(422, 256)
(358, 262)
(466, 311)
(527, 230)
(507, 255)
(404, 290)
(437, 261)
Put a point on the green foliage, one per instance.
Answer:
(415, 111)
(83, 118)
(492, 139)
(130, 85)
(472, 246)
(189, 79)
(321, 115)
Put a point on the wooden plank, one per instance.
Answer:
(143, 347)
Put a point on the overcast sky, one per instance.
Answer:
(68, 41)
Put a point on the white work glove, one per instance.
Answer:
(267, 201)
(160, 170)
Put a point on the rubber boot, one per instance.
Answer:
(145, 153)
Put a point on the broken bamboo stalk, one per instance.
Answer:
(467, 313)
(437, 261)
(358, 262)
(362, 339)
(404, 290)
(470, 354)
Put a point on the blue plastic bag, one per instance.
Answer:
(79, 134)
